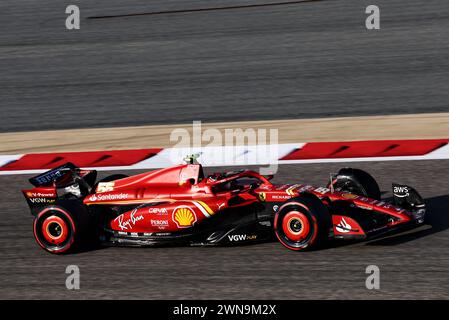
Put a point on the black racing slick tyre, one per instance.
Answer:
(357, 182)
(63, 227)
(303, 223)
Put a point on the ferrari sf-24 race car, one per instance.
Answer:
(181, 206)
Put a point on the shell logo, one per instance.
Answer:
(184, 217)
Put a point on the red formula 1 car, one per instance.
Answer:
(181, 206)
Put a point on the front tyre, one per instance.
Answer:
(357, 182)
(61, 228)
(302, 223)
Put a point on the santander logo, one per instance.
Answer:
(108, 197)
(343, 226)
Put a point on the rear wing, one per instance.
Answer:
(66, 176)
(53, 176)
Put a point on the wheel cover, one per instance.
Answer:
(55, 230)
(295, 225)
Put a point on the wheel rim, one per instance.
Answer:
(295, 226)
(55, 230)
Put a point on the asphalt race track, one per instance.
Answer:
(312, 59)
(413, 264)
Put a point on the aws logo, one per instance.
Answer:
(184, 217)
(401, 191)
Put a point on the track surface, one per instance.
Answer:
(413, 265)
(301, 60)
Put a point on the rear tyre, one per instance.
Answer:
(357, 182)
(302, 223)
(62, 228)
